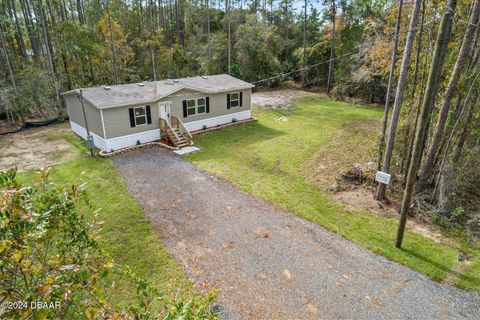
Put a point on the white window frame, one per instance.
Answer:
(144, 115)
(238, 100)
(195, 107)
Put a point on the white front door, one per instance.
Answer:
(164, 110)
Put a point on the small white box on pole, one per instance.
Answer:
(382, 177)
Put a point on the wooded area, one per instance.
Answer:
(419, 58)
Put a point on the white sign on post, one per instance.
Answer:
(382, 177)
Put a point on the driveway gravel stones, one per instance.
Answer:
(271, 264)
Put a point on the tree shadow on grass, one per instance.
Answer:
(442, 267)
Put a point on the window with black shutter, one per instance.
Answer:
(235, 99)
(140, 116)
(194, 107)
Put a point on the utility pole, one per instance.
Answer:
(227, 7)
(332, 49)
(304, 43)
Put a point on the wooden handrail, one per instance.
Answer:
(164, 123)
(182, 128)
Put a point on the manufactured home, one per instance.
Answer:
(124, 115)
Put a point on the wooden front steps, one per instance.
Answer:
(177, 138)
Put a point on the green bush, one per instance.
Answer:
(51, 264)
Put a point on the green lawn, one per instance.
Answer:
(268, 158)
(127, 236)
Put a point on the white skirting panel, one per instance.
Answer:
(152, 135)
(131, 139)
(211, 122)
(82, 132)
(119, 142)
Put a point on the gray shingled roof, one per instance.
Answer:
(125, 94)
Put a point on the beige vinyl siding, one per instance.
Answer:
(75, 113)
(117, 121)
(218, 104)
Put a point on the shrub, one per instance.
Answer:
(50, 257)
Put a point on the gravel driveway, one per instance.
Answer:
(270, 264)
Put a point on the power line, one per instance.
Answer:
(305, 68)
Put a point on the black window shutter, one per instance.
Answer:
(228, 100)
(149, 115)
(184, 108)
(132, 117)
(207, 101)
(241, 99)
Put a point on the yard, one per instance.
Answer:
(127, 235)
(282, 159)
(289, 158)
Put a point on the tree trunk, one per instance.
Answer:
(49, 56)
(393, 63)
(408, 127)
(304, 43)
(208, 34)
(332, 48)
(8, 61)
(463, 135)
(19, 33)
(115, 77)
(392, 132)
(229, 38)
(435, 73)
(31, 31)
(48, 43)
(449, 93)
(80, 12)
(154, 67)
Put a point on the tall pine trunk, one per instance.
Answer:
(392, 132)
(50, 63)
(304, 42)
(332, 48)
(449, 93)
(393, 63)
(115, 77)
(208, 34)
(431, 90)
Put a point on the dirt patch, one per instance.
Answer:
(353, 146)
(345, 169)
(361, 199)
(279, 99)
(34, 148)
(458, 269)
